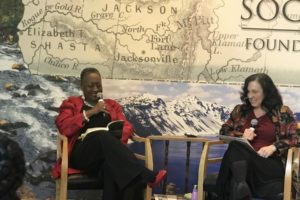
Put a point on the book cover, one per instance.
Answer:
(114, 127)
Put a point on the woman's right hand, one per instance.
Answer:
(99, 107)
(249, 134)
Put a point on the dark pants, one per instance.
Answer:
(260, 171)
(103, 155)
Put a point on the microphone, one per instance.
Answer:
(100, 96)
(253, 125)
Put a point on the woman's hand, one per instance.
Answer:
(249, 134)
(266, 151)
(99, 107)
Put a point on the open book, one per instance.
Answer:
(114, 127)
(228, 139)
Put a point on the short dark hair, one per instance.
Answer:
(12, 168)
(87, 71)
(272, 97)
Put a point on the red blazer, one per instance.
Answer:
(70, 121)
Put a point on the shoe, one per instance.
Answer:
(159, 177)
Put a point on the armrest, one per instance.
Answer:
(148, 157)
(138, 138)
(204, 161)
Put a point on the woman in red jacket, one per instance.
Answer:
(102, 154)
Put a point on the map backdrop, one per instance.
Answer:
(177, 40)
(184, 42)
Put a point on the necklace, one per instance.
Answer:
(87, 103)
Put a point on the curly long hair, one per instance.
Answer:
(272, 98)
(12, 168)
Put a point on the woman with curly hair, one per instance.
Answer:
(244, 171)
(12, 168)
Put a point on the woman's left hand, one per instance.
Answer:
(266, 151)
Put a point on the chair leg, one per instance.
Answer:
(61, 190)
(148, 193)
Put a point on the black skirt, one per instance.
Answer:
(260, 171)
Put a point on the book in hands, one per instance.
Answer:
(228, 139)
(114, 127)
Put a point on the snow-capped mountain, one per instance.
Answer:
(152, 115)
(29, 105)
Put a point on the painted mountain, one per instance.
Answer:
(152, 115)
(29, 104)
